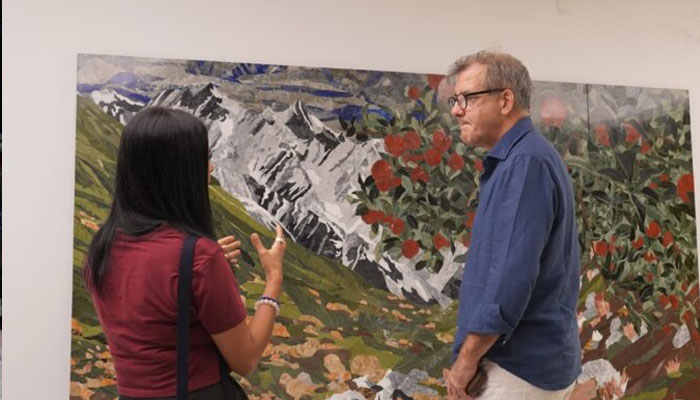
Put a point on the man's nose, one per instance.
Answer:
(456, 110)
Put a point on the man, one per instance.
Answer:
(517, 303)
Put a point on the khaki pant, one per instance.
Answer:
(502, 385)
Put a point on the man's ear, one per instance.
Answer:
(507, 101)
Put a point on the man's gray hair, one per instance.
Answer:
(502, 71)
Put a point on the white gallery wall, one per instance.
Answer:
(623, 42)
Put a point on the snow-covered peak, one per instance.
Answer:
(109, 96)
(115, 104)
(299, 111)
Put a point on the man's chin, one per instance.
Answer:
(467, 138)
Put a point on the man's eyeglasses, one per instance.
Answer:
(462, 99)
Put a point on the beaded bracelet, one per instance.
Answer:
(269, 301)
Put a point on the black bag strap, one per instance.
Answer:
(226, 381)
(232, 390)
(184, 302)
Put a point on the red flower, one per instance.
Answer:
(394, 144)
(386, 219)
(432, 157)
(649, 277)
(385, 185)
(668, 329)
(439, 241)
(684, 185)
(384, 176)
(663, 300)
(694, 291)
(413, 93)
(381, 169)
(470, 219)
(397, 226)
(653, 230)
(663, 178)
(418, 174)
(653, 185)
(633, 134)
(602, 135)
(434, 80)
(409, 248)
(667, 239)
(441, 141)
(455, 161)
(645, 147)
(650, 256)
(412, 140)
(673, 299)
(638, 243)
(553, 112)
(478, 165)
(373, 216)
(600, 248)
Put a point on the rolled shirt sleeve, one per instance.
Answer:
(520, 209)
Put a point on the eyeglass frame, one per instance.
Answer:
(452, 100)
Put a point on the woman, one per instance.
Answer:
(160, 197)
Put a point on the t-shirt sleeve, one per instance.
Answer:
(216, 298)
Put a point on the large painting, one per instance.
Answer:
(366, 172)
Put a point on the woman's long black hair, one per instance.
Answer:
(162, 171)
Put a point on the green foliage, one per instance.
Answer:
(640, 215)
(421, 193)
(632, 179)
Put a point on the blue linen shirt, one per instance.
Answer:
(521, 279)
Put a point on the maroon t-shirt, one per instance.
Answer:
(138, 311)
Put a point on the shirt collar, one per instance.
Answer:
(510, 138)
